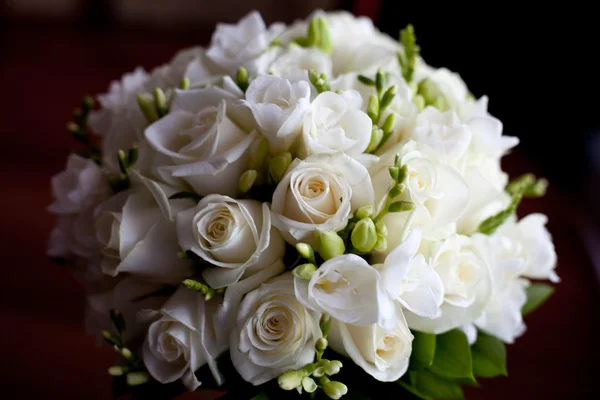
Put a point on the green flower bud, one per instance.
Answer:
(319, 371)
(278, 165)
(388, 97)
(403, 174)
(333, 367)
(366, 80)
(395, 192)
(364, 235)
(127, 354)
(313, 32)
(334, 389)
(394, 171)
(325, 324)
(137, 378)
(380, 80)
(185, 83)
(247, 180)
(259, 152)
(401, 206)
(373, 108)
(381, 245)
(330, 244)
(388, 125)
(381, 228)
(321, 344)
(538, 189)
(305, 271)
(305, 250)
(520, 184)
(365, 211)
(117, 370)
(146, 103)
(308, 384)
(309, 368)
(290, 380)
(419, 101)
(376, 136)
(441, 104)
(325, 42)
(160, 101)
(241, 76)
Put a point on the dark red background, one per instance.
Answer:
(45, 70)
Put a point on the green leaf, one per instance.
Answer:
(537, 294)
(414, 391)
(423, 350)
(118, 320)
(489, 356)
(261, 396)
(452, 357)
(436, 387)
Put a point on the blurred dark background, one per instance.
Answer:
(537, 64)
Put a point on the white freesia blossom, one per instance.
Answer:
(465, 274)
(296, 61)
(80, 186)
(536, 244)
(274, 332)
(383, 354)
(207, 149)
(502, 316)
(243, 44)
(438, 190)
(278, 106)
(336, 123)
(350, 290)
(136, 229)
(410, 280)
(318, 194)
(232, 235)
(182, 339)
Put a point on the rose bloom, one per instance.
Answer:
(274, 332)
(319, 193)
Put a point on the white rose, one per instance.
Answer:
(296, 61)
(242, 44)
(278, 106)
(438, 191)
(466, 278)
(319, 193)
(82, 185)
(502, 316)
(410, 280)
(383, 354)
(182, 339)
(274, 332)
(232, 235)
(336, 123)
(350, 290)
(536, 243)
(208, 150)
(136, 229)
(129, 296)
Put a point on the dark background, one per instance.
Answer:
(536, 64)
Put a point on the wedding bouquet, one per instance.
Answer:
(256, 214)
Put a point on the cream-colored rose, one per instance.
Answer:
(383, 354)
(204, 145)
(136, 230)
(234, 236)
(182, 338)
(274, 332)
(319, 193)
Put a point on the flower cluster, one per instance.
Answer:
(291, 193)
